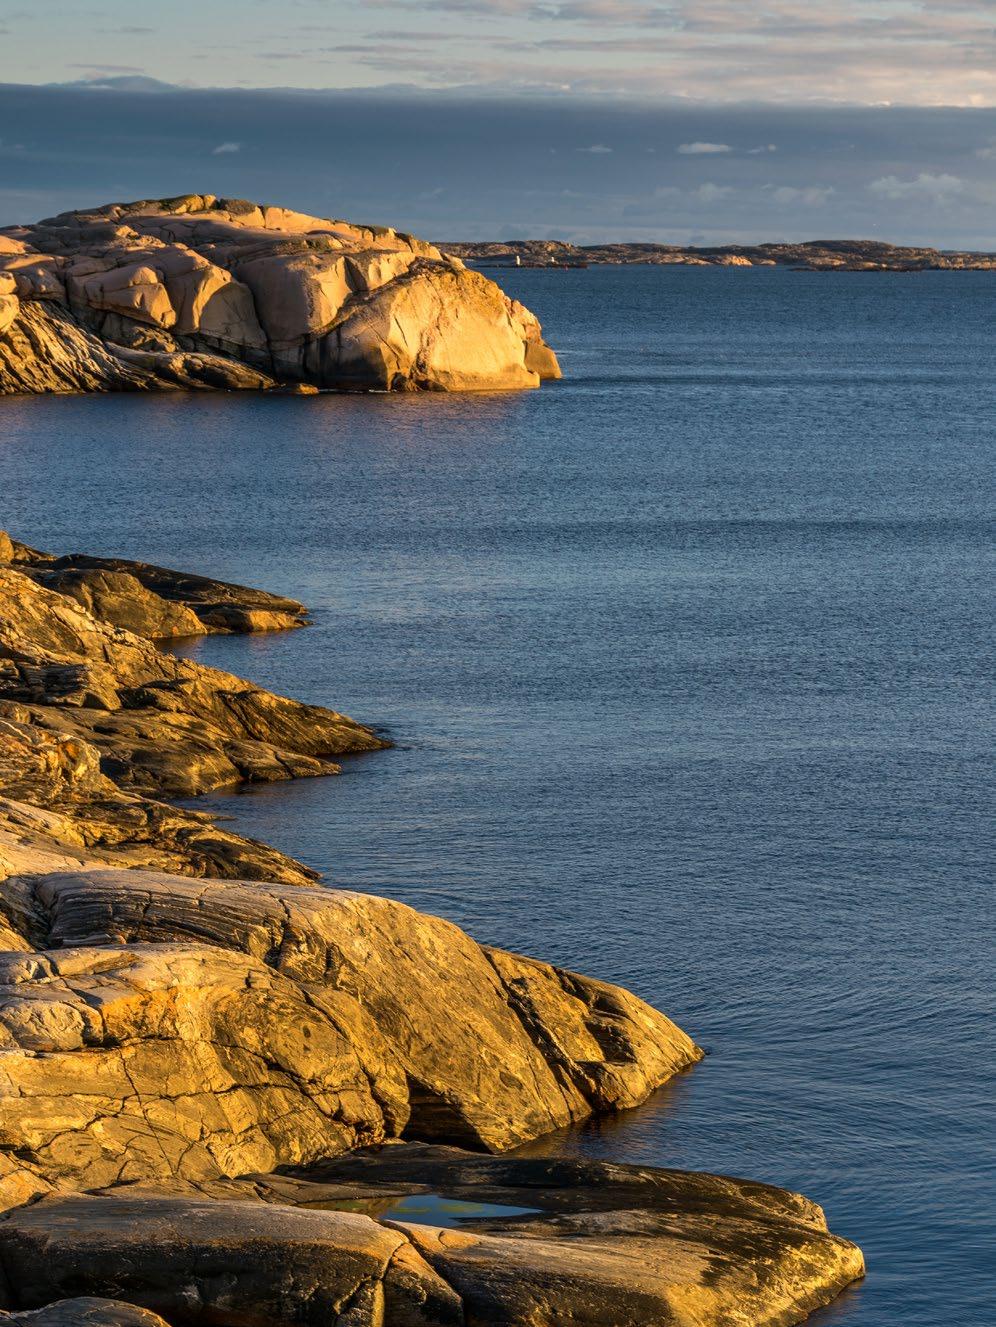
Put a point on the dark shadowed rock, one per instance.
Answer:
(85, 1312)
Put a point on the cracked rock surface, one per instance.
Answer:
(199, 291)
(205, 1056)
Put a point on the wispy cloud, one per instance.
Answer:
(703, 149)
(925, 187)
(225, 149)
(787, 195)
(712, 193)
(925, 52)
(871, 51)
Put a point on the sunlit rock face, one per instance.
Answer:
(199, 291)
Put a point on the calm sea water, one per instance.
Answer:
(688, 660)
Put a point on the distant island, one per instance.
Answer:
(811, 256)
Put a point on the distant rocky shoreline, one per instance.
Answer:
(221, 1082)
(813, 256)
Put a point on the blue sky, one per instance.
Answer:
(592, 119)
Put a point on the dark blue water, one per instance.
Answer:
(689, 663)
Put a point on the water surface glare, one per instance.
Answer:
(688, 660)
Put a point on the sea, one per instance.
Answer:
(688, 663)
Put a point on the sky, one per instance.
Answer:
(689, 121)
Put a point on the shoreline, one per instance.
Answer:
(456, 1043)
(810, 256)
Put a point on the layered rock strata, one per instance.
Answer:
(199, 291)
(155, 602)
(191, 1058)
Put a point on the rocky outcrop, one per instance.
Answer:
(199, 291)
(198, 1029)
(97, 725)
(214, 1089)
(55, 794)
(162, 725)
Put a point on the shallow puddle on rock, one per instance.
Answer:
(423, 1209)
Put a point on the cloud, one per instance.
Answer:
(926, 187)
(787, 195)
(97, 70)
(758, 151)
(509, 161)
(872, 52)
(712, 193)
(703, 149)
(596, 149)
(223, 149)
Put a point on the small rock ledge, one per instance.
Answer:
(218, 1079)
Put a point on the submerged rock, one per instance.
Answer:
(199, 291)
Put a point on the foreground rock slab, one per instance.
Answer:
(225, 1263)
(598, 1246)
(205, 292)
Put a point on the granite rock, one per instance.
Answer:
(163, 725)
(154, 601)
(588, 1243)
(198, 291)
